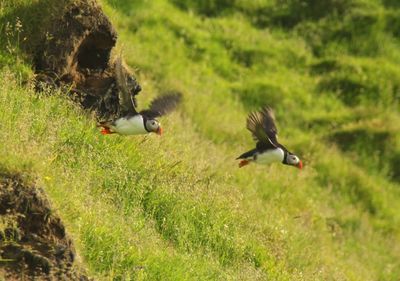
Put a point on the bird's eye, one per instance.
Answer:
(154, 123)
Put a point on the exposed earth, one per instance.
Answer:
(76, 52)
(33, 242)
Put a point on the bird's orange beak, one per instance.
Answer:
(300, 165)
(159, 131)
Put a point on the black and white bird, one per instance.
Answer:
(268, 150)
(133, 122)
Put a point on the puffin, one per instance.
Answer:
(268, 150)
(133, 122)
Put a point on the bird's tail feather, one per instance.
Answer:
(103, 124)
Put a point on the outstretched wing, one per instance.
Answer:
(262, 125)
(163, 105)
(126, 100)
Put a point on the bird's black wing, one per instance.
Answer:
(126, 99)
(162, 105)
(262, 125)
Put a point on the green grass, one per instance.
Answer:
(177, 207)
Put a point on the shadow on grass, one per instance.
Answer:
(257, 94)
(366, 142)
(22, 29)
(125, 6)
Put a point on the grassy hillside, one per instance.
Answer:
(177, 207)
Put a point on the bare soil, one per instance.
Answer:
(33, 241)
(76, 52)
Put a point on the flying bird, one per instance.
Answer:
(133, 122)
(268, 150)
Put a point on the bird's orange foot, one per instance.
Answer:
(105, 131)
(243, 163)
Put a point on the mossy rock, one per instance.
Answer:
(71, 46)
(35, 243)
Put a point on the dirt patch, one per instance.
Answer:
(33, 241)
(76, 52)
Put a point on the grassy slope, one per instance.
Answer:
(177, 207)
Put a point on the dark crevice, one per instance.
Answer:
(94, 52)
(77, 56)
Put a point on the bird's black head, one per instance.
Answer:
(153, 125)
(292, 160)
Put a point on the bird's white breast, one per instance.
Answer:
(270, 156)
(130, 126)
